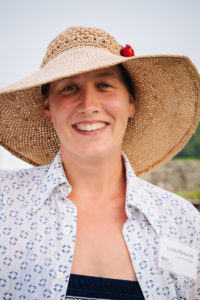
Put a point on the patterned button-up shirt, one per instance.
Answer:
(38, 234)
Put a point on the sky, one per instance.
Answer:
(149, 26)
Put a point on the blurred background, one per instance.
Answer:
(150, 26)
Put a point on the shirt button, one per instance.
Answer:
(59, 275)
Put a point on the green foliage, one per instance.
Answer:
(190, 195)
(192, 149)
(185, 159)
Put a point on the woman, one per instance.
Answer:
(84, 226)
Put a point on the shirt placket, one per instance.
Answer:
(68, 221)
(139, 242)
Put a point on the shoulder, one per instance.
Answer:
(34, 174)
(163, 198)
(176, 216)
(20, 184)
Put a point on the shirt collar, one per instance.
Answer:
(138, 199)
(54, 176)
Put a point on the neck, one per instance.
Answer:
(97, 181)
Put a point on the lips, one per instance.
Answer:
(90, 126)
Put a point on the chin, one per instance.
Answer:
(92, 151)
(100, 152)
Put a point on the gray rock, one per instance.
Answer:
(176, 176)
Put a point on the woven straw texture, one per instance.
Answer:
(167, 100)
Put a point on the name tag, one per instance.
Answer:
(177, 258)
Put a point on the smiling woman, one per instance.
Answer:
(95, 105)
(82, 224)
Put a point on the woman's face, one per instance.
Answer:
(89, 112)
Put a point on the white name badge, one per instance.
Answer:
(178, 258)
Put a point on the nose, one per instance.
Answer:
(89, 102)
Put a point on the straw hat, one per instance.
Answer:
(167, 100)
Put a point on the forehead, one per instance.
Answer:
(111, 72)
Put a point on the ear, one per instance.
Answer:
(46, 108)
(131, 111)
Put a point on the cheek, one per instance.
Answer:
(60, 109)
(118, 107)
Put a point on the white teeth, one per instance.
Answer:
(90, 127)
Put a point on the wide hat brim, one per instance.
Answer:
(167, 104)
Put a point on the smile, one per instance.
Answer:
(90, 126)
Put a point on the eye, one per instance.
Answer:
(104, 85)
(70, 88)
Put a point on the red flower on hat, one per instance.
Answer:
(127, 51)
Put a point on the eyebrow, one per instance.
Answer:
(106, 74)
(100, 75)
